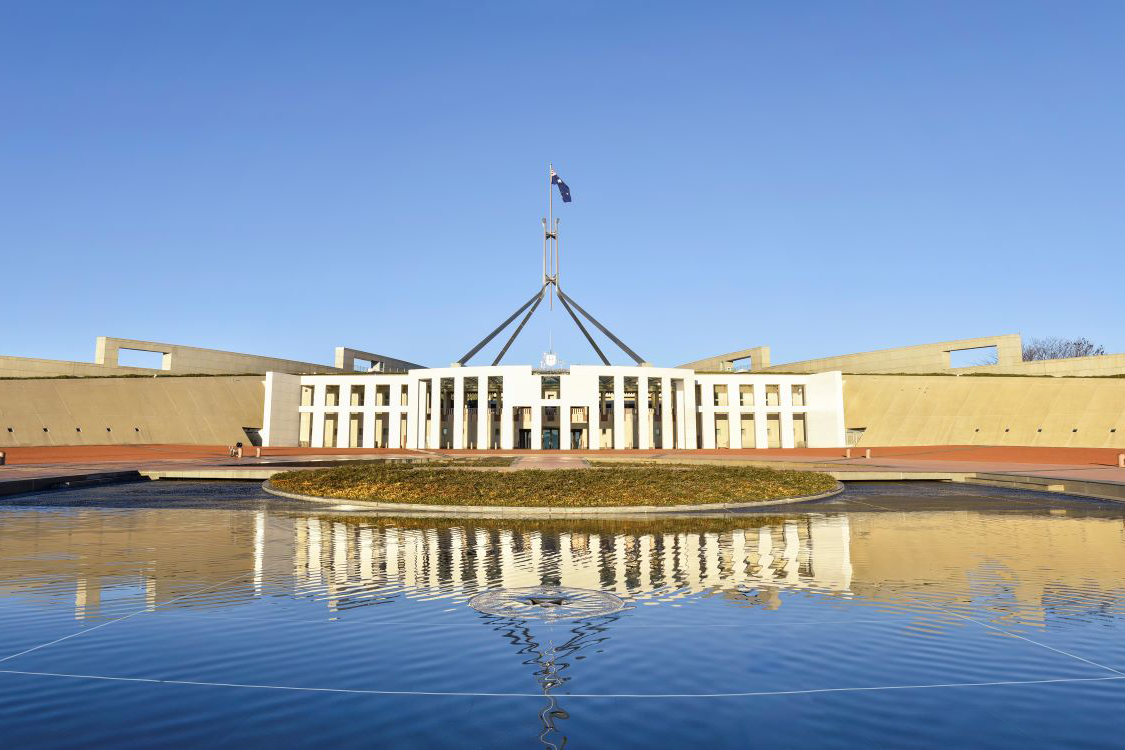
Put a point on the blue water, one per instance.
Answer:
(181, 614)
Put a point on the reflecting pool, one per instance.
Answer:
(189, 614)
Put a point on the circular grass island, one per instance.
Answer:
(485, 487)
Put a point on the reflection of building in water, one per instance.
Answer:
(1007, 562)
(109, 562)
(809, 552)
(105, 563)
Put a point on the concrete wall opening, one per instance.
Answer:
(355, 431)
(749, 439)
(382, 426)
(773, 430)
(800, 432)
(722, 431)
(981, 355)
(579, 427)
(140, 358)
(521, 427)
(304, 430)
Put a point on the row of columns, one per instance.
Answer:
(734, 414)
(676, 400)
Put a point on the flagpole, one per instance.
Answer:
(550, 222)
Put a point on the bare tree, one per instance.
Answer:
(1053, 347)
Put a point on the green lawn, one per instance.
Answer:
(621, 484)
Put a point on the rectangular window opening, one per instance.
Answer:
(981, 355)
(138, 358)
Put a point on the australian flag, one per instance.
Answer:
(564, 191)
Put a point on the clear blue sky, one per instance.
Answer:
(281, 178)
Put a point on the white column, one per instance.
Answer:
(734, 413)
(684, 438)
(317, 439)
(483, 438)
(593, 421)
(689, 412)
(618, 412)
(564, 423)
(435, 413)
(761, 434)
(394, 414)
(506, 424)
(344, 420)
(787, 428)
(414, 395)
(644, 434)
(368, 424)
(458, 412)
(537, 426)
(667, 439)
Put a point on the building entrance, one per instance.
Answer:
(550, 438)
(576, 439)
(524, 442)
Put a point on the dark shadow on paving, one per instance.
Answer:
(858, 497)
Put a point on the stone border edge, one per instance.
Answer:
(513, 511)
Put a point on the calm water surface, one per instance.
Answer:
(180, 614)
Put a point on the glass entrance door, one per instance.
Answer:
(550, 438)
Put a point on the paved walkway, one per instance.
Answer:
(1076, 464)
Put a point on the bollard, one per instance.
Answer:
(867, 453)
(258, 451)
(3, 458)
(847, 453)
(1120, 460)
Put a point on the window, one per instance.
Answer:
(981, 355)
(773, 395)
(798, 395)
(307, 395)
(140, 358)
(745, 395)
(382, 395)
(358, 395)
(332, 397)
(720, 395)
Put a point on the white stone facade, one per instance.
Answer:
(576, 408)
